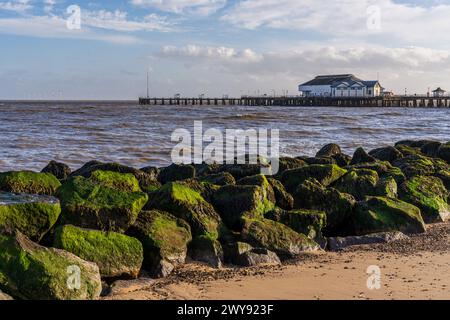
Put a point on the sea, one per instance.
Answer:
(75, 132)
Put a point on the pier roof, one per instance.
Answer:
(325, 80)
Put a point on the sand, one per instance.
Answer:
(417, 268)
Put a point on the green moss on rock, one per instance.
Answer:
(358, 182)
(283, 199)
(89, 204)
(165, 239)
(29, 271)
(115, 254)
(381, 214)
(444, 152)
(429, 195)
(32, 215)
(384, 170)
(176, 172)
(119, 181)
(29, 182)
(206, 249)
(220, 179)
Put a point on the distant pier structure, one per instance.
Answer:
(301, 101)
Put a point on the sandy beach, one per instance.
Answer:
(416, 268)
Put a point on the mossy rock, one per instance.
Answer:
(119, 181)
(444, 175)
(429, 195)
(342, 160)
(431, 149)
(116, 255)
(308, 222)
(384, 170)
(239, 171)
(187, 204)
(283, 199)
(176, 172)
(146, 180)
(359, 183)
(387, 187)
(386, 154)
(276, 237)
(416, 165)
(239, 201)
(338, 206)
(206, 249)
(30, 271)
(29, 182)
(261, 181)
(444, 152)
(220, 179)
(206, 189)
(60, 170)
(325, 174)
(165, 239)
(329, 150)
(89, 204)
(407, 150)
(381, 214)
(319, 160)
(33, 215)
(287, 163)
(243, 254)
(361, 156)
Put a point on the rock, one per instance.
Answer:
(116, 255)
(244, 255)
(90, 204)
(60, 170)
(307, 222)
(239, 171)
(380, 214)
(419, 165)
(386, 154)
(444, 175)
(276, 237)
(408, 150)
(122, 287)
(147, 181)
(342, 160)
(205, 189)
(387, 187)
(429, 195)
(361, 156)
(29, 271)
(33, 215)
(413, 143)
(282, 198)
(239, 201)
(444, 152)
(207, 249)
(165, 239)
(317, 160)
(359, 183)
(176, 172)
(5, 297)
(205, 169)
(126, 182)
(384, 170)
(287, 163)
(338, 244)
(29, 182)
(261, 181)
(431, 149)
(329, 150)
(185, 203)
(153, 172)
(220, 179)
(325, 174)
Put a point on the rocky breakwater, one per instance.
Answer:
(115, 223)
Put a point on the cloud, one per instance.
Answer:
(404, 23)
(17, 5)
(202, 7)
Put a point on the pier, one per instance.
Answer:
(299, 101)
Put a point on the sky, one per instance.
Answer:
(85, 49)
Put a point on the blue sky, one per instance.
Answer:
(217, 47)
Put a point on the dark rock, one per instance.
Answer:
(220, 179)
(287, 163)
(60, 170)
(384, 170)
(317, 160)
(361, 156)
(282, 198)
(153, 172)
(176, 172)
(338, 244)
(431, 149)
(444, 152)
(386, 154)
(329, 150)
(342, 160)
(208, 250)
(243, 254)
(414, 165)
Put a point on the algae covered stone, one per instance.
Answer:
(115, 254)
(220, 179)
(444, 152)
(381, 214)
(33, 215)
(429, 195)
(207, 249)
(361, 156)
(165, 239)
(329, 150)
(90, 204)
(29, 182)
(358, 182)
(325, 174)
(283, 199)
(276, 237)
(176, 172)
(386, 154)
(30, 271)
(60, 170)
(120, 181)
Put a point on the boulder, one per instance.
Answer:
(444, 152)
(282, 198)
(429, 195)
(415, 165)
(147, 181)
(386, 154)
(276, 237)
(413, 143)
(235, 202)
(30, 271)
(444, 175)
(153, 172)
(207, 249)
(329, 150)
(244, 255)
(409, 151)
(176, 172)
(29, 182)
(261, 181)
(60, 170)
(205, 189)
(319, 160)
(342, 160)
(116, 255)
(325, 174)
(33, 215)
(383, 168)
(220, 179)
(361, 156)
(185, 203)
(165, 239)
(308, 222)
(359, 183)
(239, 171)
(287, 163)
(126, 182)
(381, 214)
(90, 204)
(431, 149)
(387, 187)
(339, 243)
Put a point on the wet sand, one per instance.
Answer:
(416, 268)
